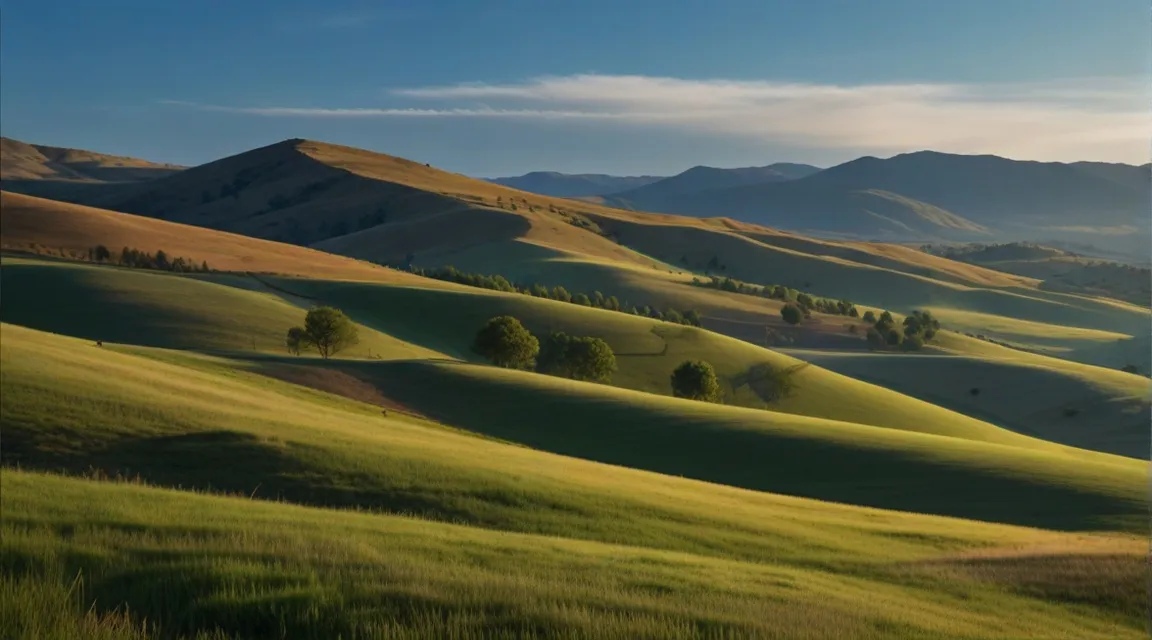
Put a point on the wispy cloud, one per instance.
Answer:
(1098, 118)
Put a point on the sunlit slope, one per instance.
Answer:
(646, 351)
(191, 563)
(59, 228)
(197, 421)
(1079, 405)
(159, 309)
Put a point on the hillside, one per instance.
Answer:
(534, 536)
(21, 161)
(702, 178)
(568, 185)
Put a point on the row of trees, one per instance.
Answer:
(919, 328)
(138, 259)
(597, 300)
(807, 303)
(505, 342)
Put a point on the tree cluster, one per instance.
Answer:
(326, 329)
(919, 328)
(506, 342)
(138, 259)
(597, 300)
(806, 302)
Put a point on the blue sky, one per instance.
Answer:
(626, 87)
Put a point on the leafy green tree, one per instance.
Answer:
(696, 380)
(673, 315)
(581, 300)
(912, 343)
(506, 343)
(591, 359)
(561, 294)
(875, 339)
(327, 330)
(869, 317)
(805, 301)
(296, 340)
(791, 314)
(692, 317)
(893, 337)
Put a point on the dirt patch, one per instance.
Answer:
(336, 382)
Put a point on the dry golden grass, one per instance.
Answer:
(35, 224)
(23, 161)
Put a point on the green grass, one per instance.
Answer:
(133, 306)
(1074, 404)
(231, 567)
(647, 351)
(71, 406)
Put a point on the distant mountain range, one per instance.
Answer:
(574, 185)
(922, 196)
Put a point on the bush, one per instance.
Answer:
(505, 342)
(1130, 368)
(696, 380)
(325, 329)
(912, 343)
(791, 314)
(579, 358)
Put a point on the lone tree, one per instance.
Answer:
(579, 358)
(325, 329)
(296, 340)
(506, 343)
(791, 314)
(696, 380)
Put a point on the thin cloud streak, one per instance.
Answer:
(1094, 118)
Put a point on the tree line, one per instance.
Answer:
(596, 300)
(138, 259)
(806, 303)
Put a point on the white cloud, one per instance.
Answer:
(1084, 119)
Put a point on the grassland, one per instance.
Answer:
(1078, 405)
(640, 554)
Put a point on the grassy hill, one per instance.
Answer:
(703, 178)
(22, 161)
(1079, 405)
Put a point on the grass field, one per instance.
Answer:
(639, 553)
(1079, 405)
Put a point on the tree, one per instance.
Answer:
(326, 329)
(696, 380)
(581, 300)
(101, 253)
(912, 343)
(506, 343)
(869, 317)
(579, 358)
(161, 260)
(561, 294)
(805, 301)
(692, 317)
(791, 314)
(296, 340)
(673, 315)
(1130, 368)
(894, 337)
(875, 339)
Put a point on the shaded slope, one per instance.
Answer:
(1074, 404)
(701, 178)
(149, 308)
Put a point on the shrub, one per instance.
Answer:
(791, 314)
(505, 342)
(696, 380)
(325, 329)
(912, 343)
(1130, 368)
